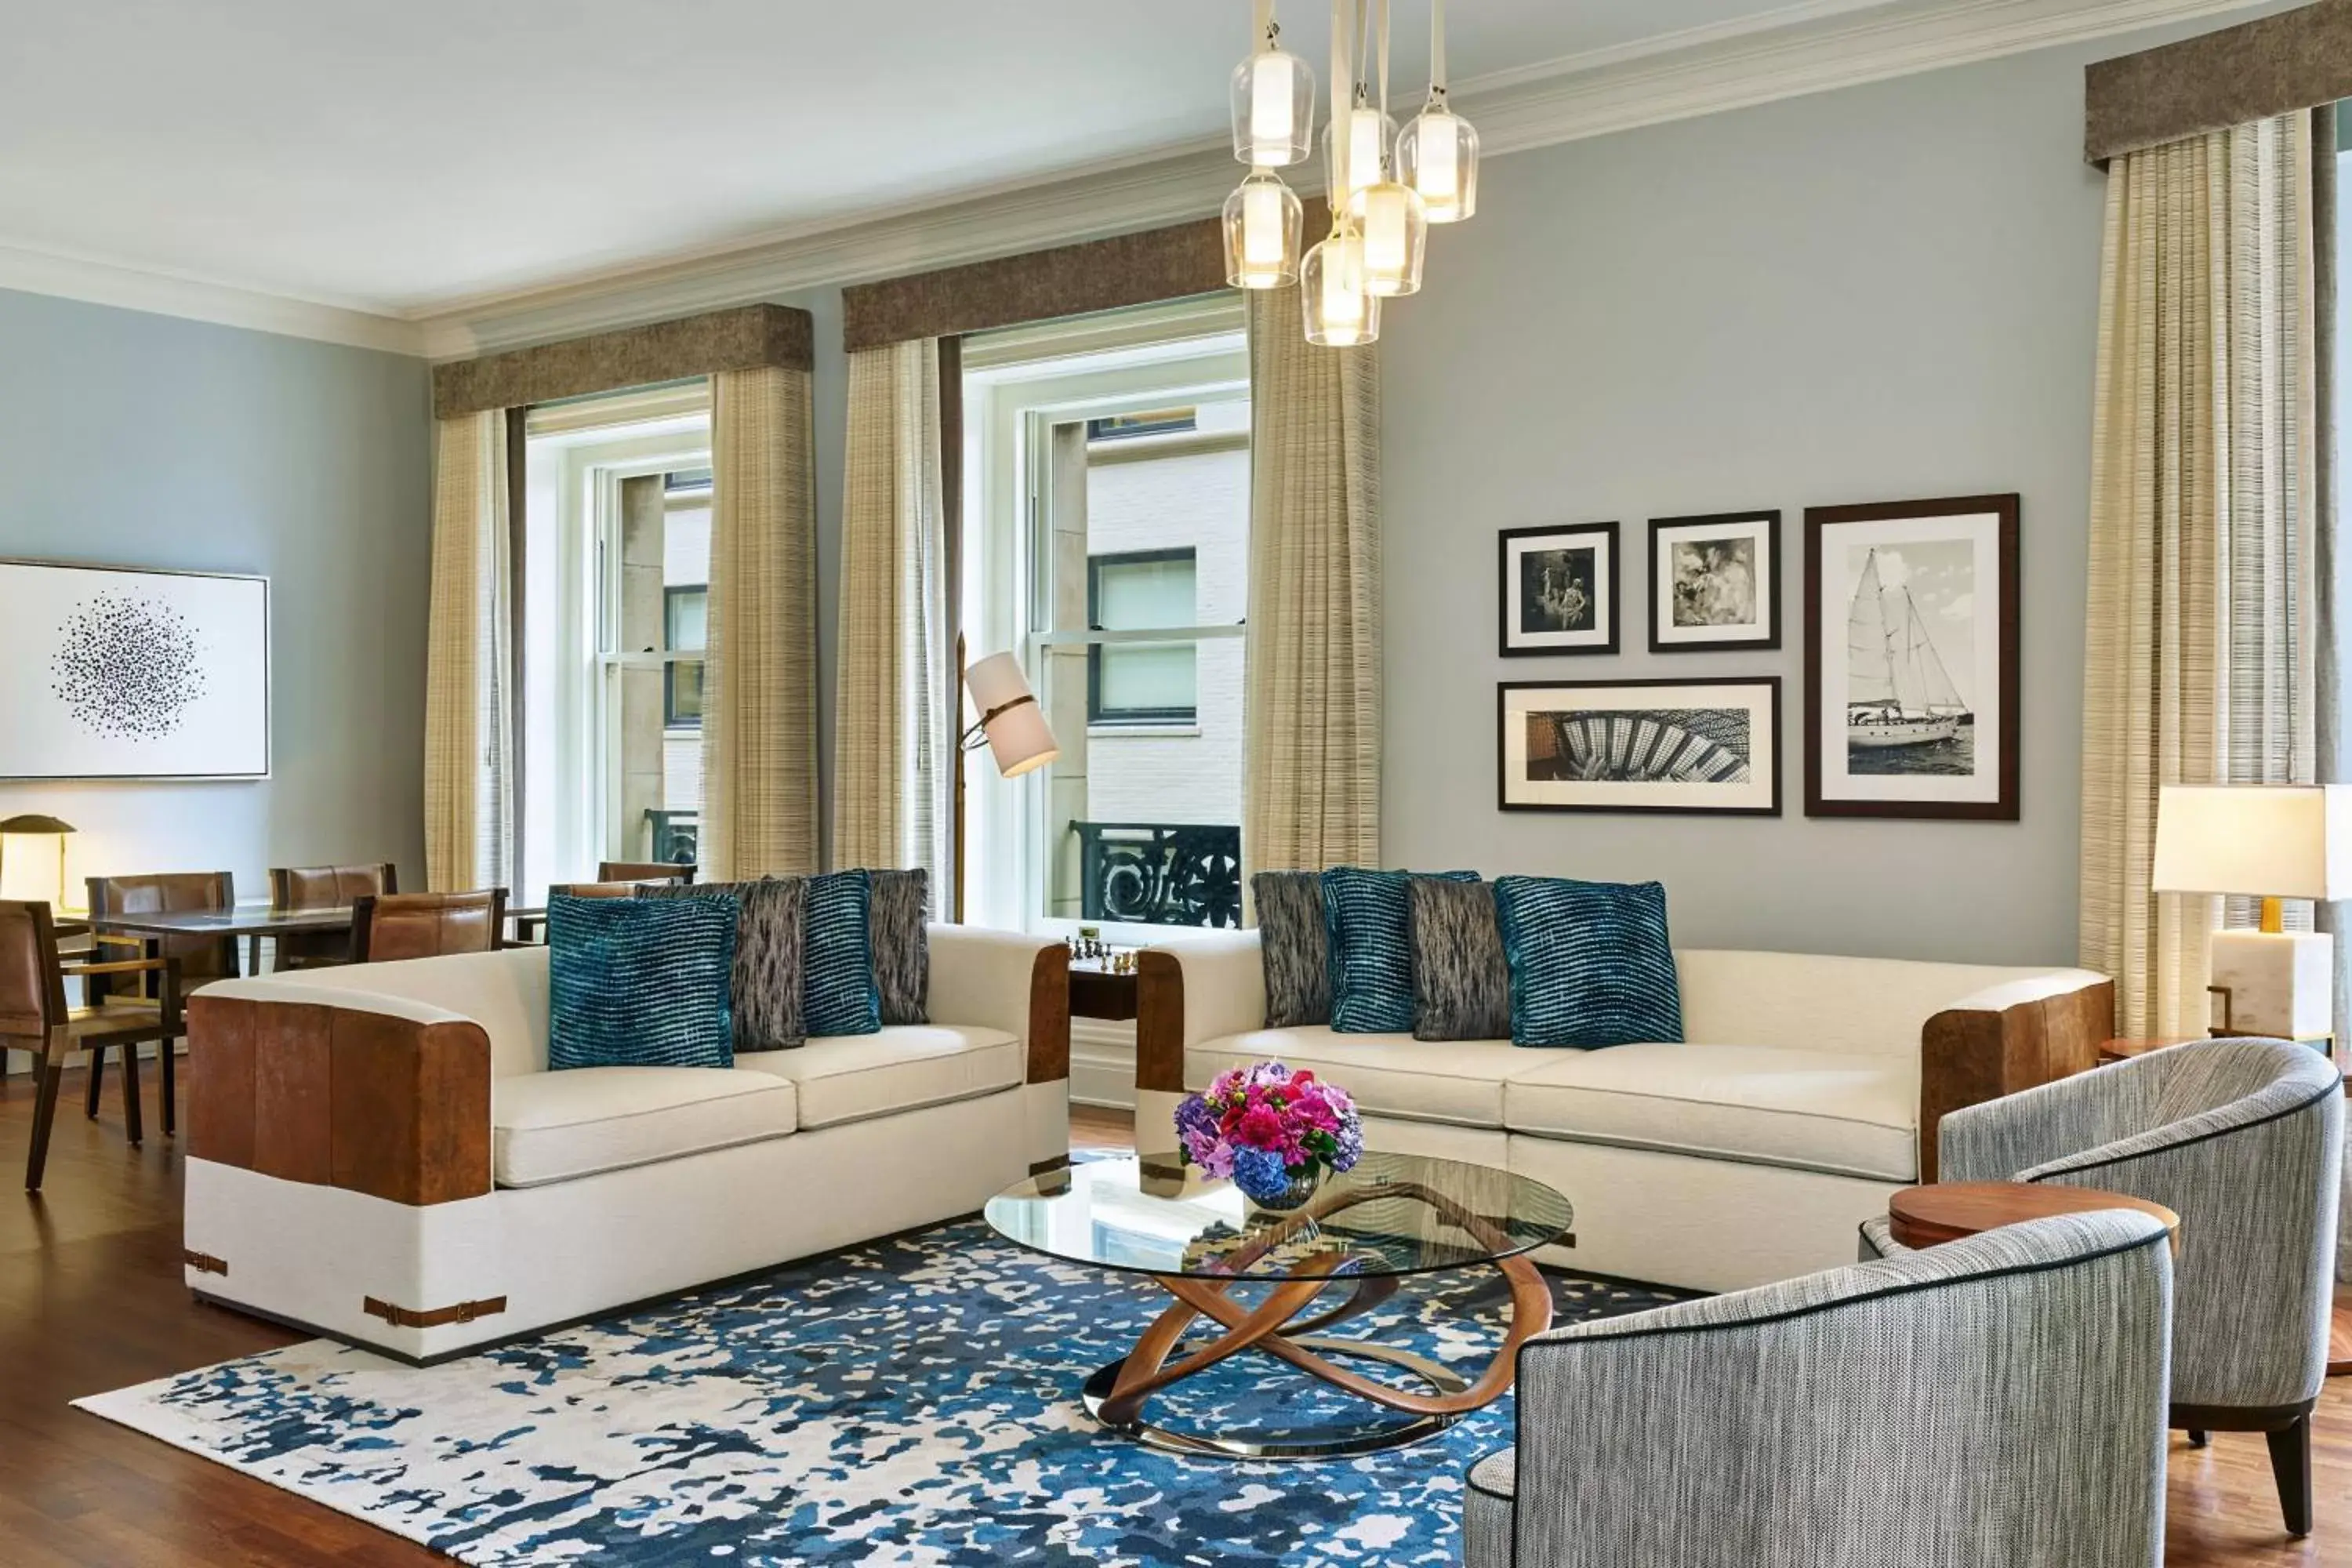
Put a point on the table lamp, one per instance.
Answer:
(1011, 724)
(2271, 842)
(33, 861)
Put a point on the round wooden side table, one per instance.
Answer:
(1947, 1211)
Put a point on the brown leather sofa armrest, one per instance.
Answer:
(1159, 1022)
(1971, 1055)
(1049, 1015)
(371, 1102)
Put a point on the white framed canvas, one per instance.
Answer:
(1714, 583)
(1559, 590)
(1911, 659)
(1683, 746)
(109, 673)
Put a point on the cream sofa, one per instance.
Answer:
(1804, 1093)
(379, 1152)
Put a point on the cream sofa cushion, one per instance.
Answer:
(1846, 1113)
(852, 1077)
(1459, 1082)
(556, 1126)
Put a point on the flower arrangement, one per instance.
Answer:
(1272, 1130)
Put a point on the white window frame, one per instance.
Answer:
(598, 445)
(1018, 386)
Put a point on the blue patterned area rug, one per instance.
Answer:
(911, 1402)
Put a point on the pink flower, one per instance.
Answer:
(1261, 1127)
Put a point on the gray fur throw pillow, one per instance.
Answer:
(1461, 981)
(896, 925)
(766, 991)
(1296, 946)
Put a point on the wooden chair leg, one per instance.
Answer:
(134, 1118)
(2291, 1464)
(46, 1075)
(171, 1086)
(97, 1081)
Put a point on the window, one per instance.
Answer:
(686, 617)
(1106, 541)
(1141, 682)
(616, 570)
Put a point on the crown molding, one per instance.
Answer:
(1809, 47)
(201, 300)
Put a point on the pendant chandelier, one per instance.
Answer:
(1386, 186)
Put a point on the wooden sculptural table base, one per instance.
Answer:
(1116, 1396)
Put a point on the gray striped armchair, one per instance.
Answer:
(2001, 1399)
(2243, 1139)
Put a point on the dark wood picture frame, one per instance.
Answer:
(2007, 510)
(1507, 607)
(1768, 638)
(1772, 725)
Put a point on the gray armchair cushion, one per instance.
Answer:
(2241, 1138)
(1999, 1399)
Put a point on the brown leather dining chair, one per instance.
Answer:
(394, 926)
(643, 871)
(201, 960)
(35, 1018)
(296, 888)
(531, 930)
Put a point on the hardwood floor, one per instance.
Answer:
(90, 1299)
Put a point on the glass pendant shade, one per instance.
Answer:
(1369, 135)
(1395, 236)
(1264, 222)
(1437, 156)
(1274, 109)
(1341, 312)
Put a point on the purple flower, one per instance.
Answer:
(1349, 1139)
(1196, 1125)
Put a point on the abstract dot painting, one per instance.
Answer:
(127, 667)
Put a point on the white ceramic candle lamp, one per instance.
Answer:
(2272, 842)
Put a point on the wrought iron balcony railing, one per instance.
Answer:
(1161, 874)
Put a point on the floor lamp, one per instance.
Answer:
(1011, 725)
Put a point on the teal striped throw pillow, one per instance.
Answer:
(1591, 962)
(640, 983)
(838, 996)
(1369, 927)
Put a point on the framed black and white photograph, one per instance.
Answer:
(1714, 583)
(1560, 590)
(117, 674)
(1641, 745)
(1911, 659)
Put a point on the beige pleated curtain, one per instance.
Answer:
(894, 737)
(2202, 633)
(468, 738)
(759, 714)
(1312, 790)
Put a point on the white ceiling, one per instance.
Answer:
(397, 157)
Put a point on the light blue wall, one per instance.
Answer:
(1885, 293)
(140, 440)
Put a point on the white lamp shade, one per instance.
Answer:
(33, 861)
(2271, 841)
(1018, 736)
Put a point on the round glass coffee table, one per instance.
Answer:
(1257, 1277)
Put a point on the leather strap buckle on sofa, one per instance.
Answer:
(204, 1262)
(407, 1318)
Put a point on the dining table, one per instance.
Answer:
(253, 922)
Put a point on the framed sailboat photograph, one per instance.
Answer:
(1911, 659)
(1559, 590)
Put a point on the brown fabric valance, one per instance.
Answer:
(2296, 59)
(1143, 268)
(749, 338)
